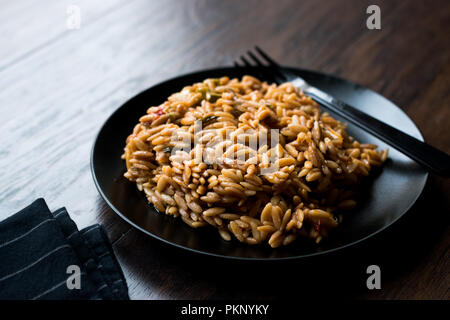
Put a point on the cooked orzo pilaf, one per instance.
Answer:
(256, 161)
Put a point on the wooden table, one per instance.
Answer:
(58, 85)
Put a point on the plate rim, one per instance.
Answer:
(216, 255)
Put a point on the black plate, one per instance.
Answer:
(386, 197)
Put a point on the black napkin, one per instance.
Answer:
(41, 253)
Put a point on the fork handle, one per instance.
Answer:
(426, 155)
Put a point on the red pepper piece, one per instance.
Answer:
(317, 226)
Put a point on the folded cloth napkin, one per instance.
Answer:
(43, 255)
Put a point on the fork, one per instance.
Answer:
(429, 157)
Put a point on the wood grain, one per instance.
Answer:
(57, 86)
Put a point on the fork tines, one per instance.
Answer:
(263, 66)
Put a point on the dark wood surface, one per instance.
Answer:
(57, 87)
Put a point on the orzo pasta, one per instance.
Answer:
(256, 161)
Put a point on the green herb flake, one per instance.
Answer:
(212, 96)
